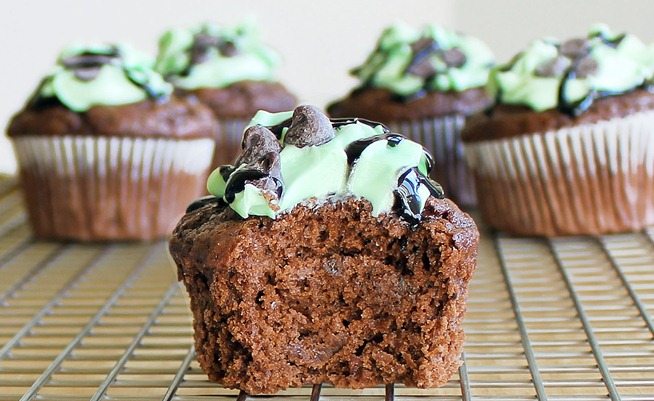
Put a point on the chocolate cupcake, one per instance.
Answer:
(326, 255)
(230, 70)
(105, 152)
(568, 148)
(424, 84)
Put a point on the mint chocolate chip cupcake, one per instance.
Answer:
(105, 151)
(326, 254)
(230, 70)
(424, 84)
(568, 148)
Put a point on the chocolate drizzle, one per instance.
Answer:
(407, 196)
(354, 149)
(237, 181)
(612, 42)
(259, 163)
(205, 200)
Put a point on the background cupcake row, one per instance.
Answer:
(330, 49)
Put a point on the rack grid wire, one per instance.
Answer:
(560, 319)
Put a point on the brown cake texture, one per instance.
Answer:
(382, 105)
(173, 118)
(327, 293)
(507, 121)
(243, 99)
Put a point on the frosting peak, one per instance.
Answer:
(99, 74)
(570, 75)
(302, 156)
(408, 62)
(214, 56)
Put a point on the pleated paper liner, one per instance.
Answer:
(110, 188)
(442, 137)
(587, 179)
(228, 141)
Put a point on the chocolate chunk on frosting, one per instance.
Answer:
(310, 158)
(309, 127)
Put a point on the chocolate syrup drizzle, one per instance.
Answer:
(407, 197)
(205, 200)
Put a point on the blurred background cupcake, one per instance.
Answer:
(568, 148)
(424, 83)
(105, 151)
(230, 70)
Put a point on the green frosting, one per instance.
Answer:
(94, 75)
(407, 61)
(316, 173)
(213, 56)
(609, 64)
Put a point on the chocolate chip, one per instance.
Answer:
(553, 68)
(585, 67)
(454, 58)
(575, 48)
(423, 68)
(309, 127)
(205, 40)
(424, 45)
(228, 49)
(260, 149)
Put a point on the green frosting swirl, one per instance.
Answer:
(551, 74)
(331, 170)
(95, 75)
(213, 56)
(407, 61)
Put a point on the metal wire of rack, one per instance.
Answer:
(561, 319)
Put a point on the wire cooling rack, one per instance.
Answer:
(562, 319)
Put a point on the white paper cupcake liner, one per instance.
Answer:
(442, 138)
(228, 141)
(106, 188)
(587, 179)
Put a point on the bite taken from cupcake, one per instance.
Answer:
(106, 151)
(229, 69)
(567, 148)
(424, 83)
(325, 254)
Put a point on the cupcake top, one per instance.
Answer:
(101, 74)
(214, 56)
(109, 90)
(571, 75)
(302, 156)
(408, 62)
